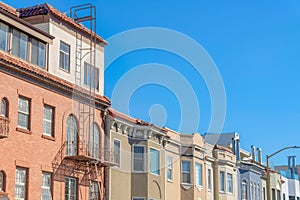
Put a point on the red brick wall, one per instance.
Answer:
(32, 150)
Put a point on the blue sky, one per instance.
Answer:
(255, 45)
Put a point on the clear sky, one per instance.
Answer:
(255, 45)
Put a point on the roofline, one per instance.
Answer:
(20, 20)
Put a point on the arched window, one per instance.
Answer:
(2, 181)
(72, 131)
(4, 107)
(244, 190)
(94, 141)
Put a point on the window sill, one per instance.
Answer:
(154, 174)
(23, 130)
(171, 181)
(48, 137)
(64, 70)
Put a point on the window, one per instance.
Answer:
(23, 112)
(244, 190)
(46, 186)
(117, 152)
(20, 44)
(71, 136)
(94, 193)
(48, 120)
(20, 185)
(70, 188)
(94, 147)
(273, 194)
(138, 158)
(186, 171)
(4, 108)
(138, 198)
(91, 76)
(222, 181)
(279, 195)
(3, 36)
(283, 196)
(2, 181)
(264, 193)
(198, 174)
(38, 53)
(209, 179)
(154, 161)
(170, 168)
(258, 191)
(229, 183)
(64, 56)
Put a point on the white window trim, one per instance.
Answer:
(51, 121)
(25, 113)
(159, 171)
(132, 162)
(68, 53)
(115, 139)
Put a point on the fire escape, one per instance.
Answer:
(4, 127)
(86, 157)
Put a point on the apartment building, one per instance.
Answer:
(139, 156)
(48, 148)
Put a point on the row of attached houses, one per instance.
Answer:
(60, 139)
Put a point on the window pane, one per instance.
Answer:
(23, 112)
(222, 181)
(23, 46)
(64, 56)
(20, 183)
(1, 181)
(117, 152)
(70, 188)
(3, 36)
(34, 51)
(4, 108)
(138, 156)
(46, 186)
(198, 174)
(71, 136)
(42, 55)
(48, 120)
(209, 179)
(91, 76)
(186, 171)
(154, 161)
(170, 167)
(229, 183)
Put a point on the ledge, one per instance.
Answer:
(23, 130)
(48, 137)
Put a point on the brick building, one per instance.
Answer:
(52, 130)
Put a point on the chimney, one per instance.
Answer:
(233, 146)
(259, 155)
(238, 153)
(253, 153)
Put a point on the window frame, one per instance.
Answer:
(2, 181)
(51, 184)
(170, 168)
(244, 192)
(7, 36)
(186, 172)
(138, 198)
(20, 33)
(39, 43)
(6, 106)
(209, 179)
(25, 113)
(25, 184)
(65, 53)
(222, 181)
(200, 173)
(97, 190)
(229, 183)
(72, 149)
(76, 187)
(144, 158)
(157, 171)
(52, 121)
(119, 153)
(88, 82)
